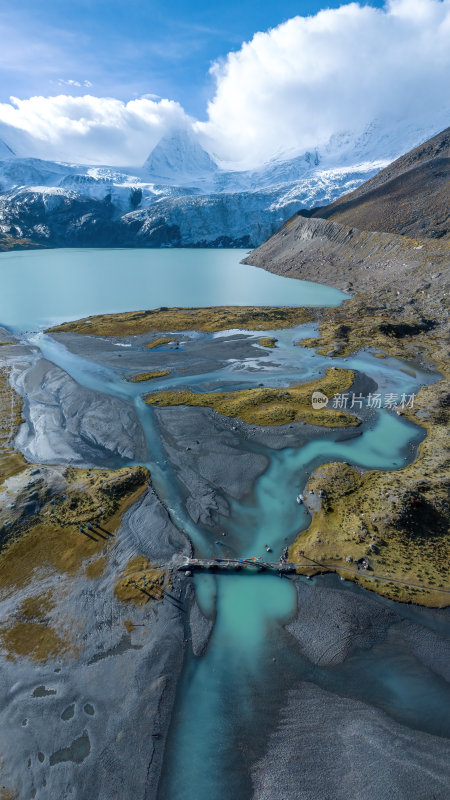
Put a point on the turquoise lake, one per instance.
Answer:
(40, 288)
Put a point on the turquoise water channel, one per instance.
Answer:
(228, 697)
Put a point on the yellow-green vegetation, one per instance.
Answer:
(410, 505)
(37, 606)
(31, 634)
(270, 406)
(4, 344)
(36, 640)
(309, 342)
(52, 541)
(129, 626)
(162, 340)
(267, 341)
(148, 376)
(215, 318)
(356, 324)
(11, 462)
(140, 582)
(9, 243)
(96, 568)
(97, 494)
(399, 520)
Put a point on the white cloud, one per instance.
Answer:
(89, 130)
(71, 82)
(288, 89)
(311, 77)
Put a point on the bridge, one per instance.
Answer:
(286, 567)
(235, 565)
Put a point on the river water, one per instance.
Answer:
(227, 697)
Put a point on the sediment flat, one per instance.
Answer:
(217, 460)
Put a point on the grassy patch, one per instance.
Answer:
(9, 243)
(140, 582)
(396, 519)
(162, 340)
(37, 606)
(215, 318)
(358, 323)
(310, 342)
(11, 462)
(52, 540)
(270, 406)
(36, 640)
(267, 341)
(147, 376)
(406, 510)
(95, 569)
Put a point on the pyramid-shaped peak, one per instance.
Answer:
(179, 158)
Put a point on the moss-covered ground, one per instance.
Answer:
(270, 406)
(30, 633)
(159, 341)
(216, 318)
(51, 542)
(70, 530)
(11, 462)
(7, 794)
(141, 582)
(36, 640)
(148, 376)
(57, 538)
(400, 519)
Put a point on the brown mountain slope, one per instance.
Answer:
(411, 196)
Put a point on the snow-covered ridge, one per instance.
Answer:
(181, 196)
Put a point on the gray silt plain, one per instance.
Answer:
(92, 723)
(121, 685)
(330, 747)
(335, 744)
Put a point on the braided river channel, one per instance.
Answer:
(229, 698)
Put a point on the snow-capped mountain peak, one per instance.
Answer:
(179, 159)
(182, 197)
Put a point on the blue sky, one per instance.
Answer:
(127, 49)
(101, 81)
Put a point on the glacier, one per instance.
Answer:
(182, 196)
